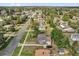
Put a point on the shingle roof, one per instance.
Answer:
(75, 37)
(61, 50)
(41, 38)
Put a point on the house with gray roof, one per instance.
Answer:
(42, 39)
(61, 51)
(75, 37)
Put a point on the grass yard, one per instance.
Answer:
(29, 51)
(22, 40)
(67, 34)
(16, 51)
(77, 54)
(31, 37)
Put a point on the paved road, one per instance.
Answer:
(14, 43)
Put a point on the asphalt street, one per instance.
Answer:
(14, 43)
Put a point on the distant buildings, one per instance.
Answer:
(75, 18)
(42, 52)
(38, 12)
(3, 12)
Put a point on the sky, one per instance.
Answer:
(39, 4)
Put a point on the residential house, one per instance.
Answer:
(61, 51)
(42, 52)
(43, 40)
(3, 12)
(24, 12)
(74, 18)
(8, 34)
(75, 37)
(64, 27)
(7, 27)
(41, 25)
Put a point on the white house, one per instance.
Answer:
(7, 27)
(41, 25)
(63, 24)
(64, 27)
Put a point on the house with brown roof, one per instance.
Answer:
(42, 52)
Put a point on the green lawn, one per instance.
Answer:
(16, 51)
(60, 40)
(22, 40)
(31, 37)
(76, 54)
(27, 51)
